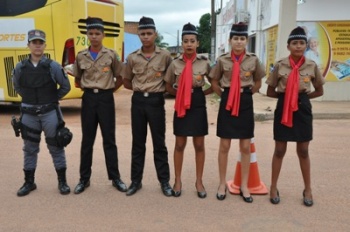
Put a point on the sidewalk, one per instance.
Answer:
(264, 108)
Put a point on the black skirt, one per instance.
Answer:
(302, 121)
(195, 122)
(232, 127)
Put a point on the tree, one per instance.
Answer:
(204, 36)
(159, 41)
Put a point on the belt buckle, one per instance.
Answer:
(145, 94)
(95, 90)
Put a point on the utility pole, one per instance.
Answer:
(213, 31)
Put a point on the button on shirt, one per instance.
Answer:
(308, 73)
(98, 73)
(200, 70)
(251, 70)
(147, 74)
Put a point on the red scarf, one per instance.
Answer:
(234, 95)
(184, 91)
(291, 95)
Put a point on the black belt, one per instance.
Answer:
(243, 90)
(97, 90)
(148, 94)
(36, 110)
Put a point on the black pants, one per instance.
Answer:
(98, 109)
(148, 110)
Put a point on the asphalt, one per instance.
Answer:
(264, 108)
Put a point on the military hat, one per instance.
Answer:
(239, 29)
(36, 34)
(94, 23)
(297, 33)
(189, 29)
(146, 23)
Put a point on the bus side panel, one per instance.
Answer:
(63, 23)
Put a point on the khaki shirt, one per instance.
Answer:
(98, 73)
(251, 70)
(147, 75)
(200, 70)
(308, 73)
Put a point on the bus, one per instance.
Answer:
(64, 22)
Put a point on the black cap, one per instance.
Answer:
(239, 29)
(146, 23)
(94, 23)
(297, 33)
(189, 29)
(36, 34)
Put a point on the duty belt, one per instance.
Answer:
(37, 110)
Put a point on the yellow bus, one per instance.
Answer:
(64, 24)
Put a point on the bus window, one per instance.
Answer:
(17, 7)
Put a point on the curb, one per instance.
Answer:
(269, 116)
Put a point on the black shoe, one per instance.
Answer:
(275, 200)
(201, 194)
(166, 189)
(119, 184)
(81, 186)
(221, 197)
(133, 188)
(176, 193)
(307, 202)
(63, 187)
(26, 189)
(246, 199)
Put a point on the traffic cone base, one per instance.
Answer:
(255, 186)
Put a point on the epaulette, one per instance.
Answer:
(202, 57)
(223, 54)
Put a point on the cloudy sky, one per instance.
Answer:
(169, 15)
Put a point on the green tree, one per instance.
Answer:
(159, 41)
(204, 36)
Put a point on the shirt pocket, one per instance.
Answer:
(137, 71)
(85, 66)
(198, 78)
(247, 71)
(158, 71)
(227, 71)
(305, 78)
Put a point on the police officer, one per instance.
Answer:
(144, 74)
(185, 79)
(94, 70)
(35, 79)
(239, 73)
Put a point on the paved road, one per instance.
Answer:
(102, 208)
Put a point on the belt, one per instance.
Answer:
(97, 90)
(37, 110)
(243, 90)
(148, 94)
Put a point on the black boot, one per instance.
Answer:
(62, 182)
(29, 184)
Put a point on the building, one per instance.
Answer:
(270, 22)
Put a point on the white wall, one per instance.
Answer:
(324, 10)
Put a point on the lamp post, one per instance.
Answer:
(177, 40)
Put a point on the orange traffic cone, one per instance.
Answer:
(254, 184)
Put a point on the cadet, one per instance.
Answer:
(239, 73)
(185, 79)
(95, 69)
(290, 82)
(144, 74)
(35, 79)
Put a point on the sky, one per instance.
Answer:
(168, 15)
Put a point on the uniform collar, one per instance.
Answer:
(86, 51)
(286, 62)
(157, 50)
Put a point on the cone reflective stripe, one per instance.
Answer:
(255, 186)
